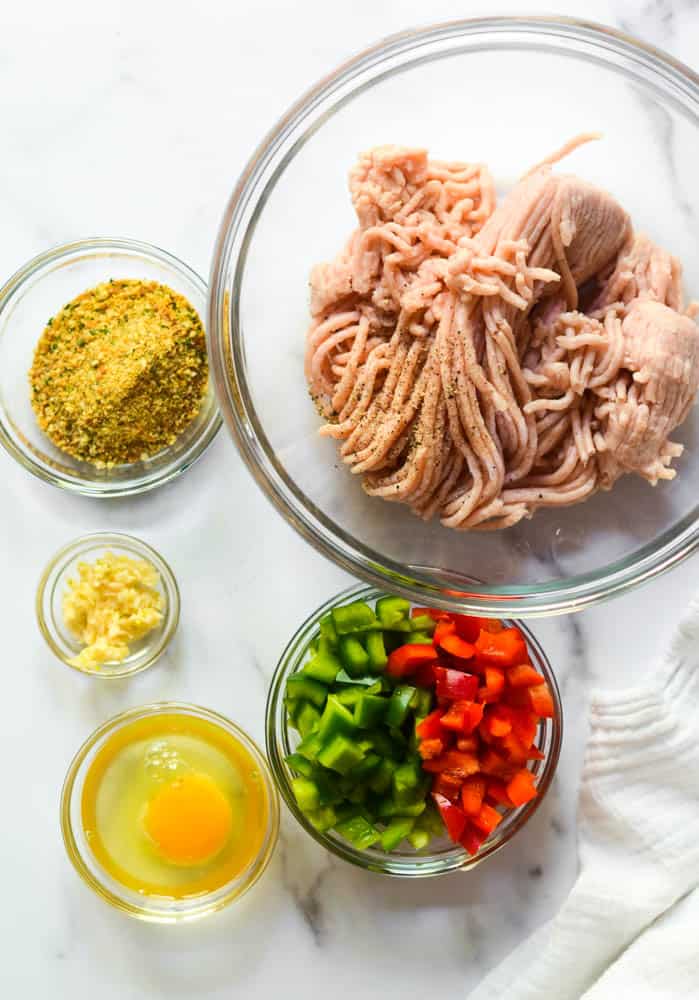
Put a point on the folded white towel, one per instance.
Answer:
(639, 847)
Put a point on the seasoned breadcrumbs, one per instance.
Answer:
(120, 372)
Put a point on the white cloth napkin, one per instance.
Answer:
(639, 852)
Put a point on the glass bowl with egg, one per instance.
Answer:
(108, 605)
(38, 297)
(169, 812)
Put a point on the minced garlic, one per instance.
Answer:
(114, 601)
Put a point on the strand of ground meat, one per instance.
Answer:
(453, 358)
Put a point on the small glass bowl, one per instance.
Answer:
(52, 587)
(39, 290)
(443, 856)
(159, 909)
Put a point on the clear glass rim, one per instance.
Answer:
(228, 355)
(136, 546)
(95, 246)
(200, 906)
(416, 866)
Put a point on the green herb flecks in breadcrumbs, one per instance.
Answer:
(120, 372)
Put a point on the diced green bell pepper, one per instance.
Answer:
(306, 793)
(422, 703)
(366, 766)
(299, 764)
(368, 680)
(389, 808)
(310, 746)
(399, 704)
(419, 839)
(328, 630)
(336, 720)
(322, 819)
(358, 795)
(431, 821)
(381, 741)
(423, 623)
(391, 611)
(324, 666)
(307, 718)
(354, 656)
(340, 754)
(369, 710)
(355, 617)
(407, 778)
(396, 832)
(306, 689)
(380, 780)
(376, 651)
(349, 696)
(359, 832)
(420, 638)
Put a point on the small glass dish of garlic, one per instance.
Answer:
(108, 604)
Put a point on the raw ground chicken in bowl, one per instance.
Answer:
(477, 363)
(410, 90)
(397, 754)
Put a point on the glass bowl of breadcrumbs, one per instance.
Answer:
(104, 377)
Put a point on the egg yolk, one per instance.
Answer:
(189, 820)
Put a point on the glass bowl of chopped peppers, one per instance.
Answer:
(104, 385)
(410, 741)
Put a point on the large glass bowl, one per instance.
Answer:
(443, 856)
(39, 290)
(503, 90)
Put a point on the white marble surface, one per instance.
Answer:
(135, 119)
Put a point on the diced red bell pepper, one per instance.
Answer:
(431, 726)
(455, 685)
(406, 659)
(453, 762)
(521, 788)
(533, 753)
(428, 749)
(451, 643)
(541, 701)
(454, 818)
(467, 628)
(472, 794)
(469, 744)
(487, 819)
(471, 840)
(494, 685)
(455, 717)
(501, 649)
(493, 764)
(493, 625)
(496, 791)
(517, 698)
(424, 675)
(523, 675)
(447, 785)
(497, 722)
(443, 629)
(524, 725)
(463, 716)
(514, 749)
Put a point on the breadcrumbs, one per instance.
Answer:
(120, 372)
